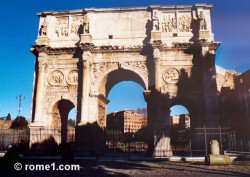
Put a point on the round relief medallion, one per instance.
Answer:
(55, 78)
(170, 75)
(72, 78)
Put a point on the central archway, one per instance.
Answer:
(124, 125)
(117, 76)
(108, 81)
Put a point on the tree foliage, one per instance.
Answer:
(8, 117)
(72, 122)
(142, 111)
(19, 123)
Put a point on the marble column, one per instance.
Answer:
(85, 93)
(210, 87)
(157, 70)
(38, 118)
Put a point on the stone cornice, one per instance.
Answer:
(177, 45)
(190, 47)
(110, 48)
(211, 45)
(173, 46)
(142, 8)
(85, 47)
(53, 51)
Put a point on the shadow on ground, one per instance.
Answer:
(125, 168)
(87, 168)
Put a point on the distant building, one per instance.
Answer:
(5, 124)
(125, 121)
(243, 92)
(182, 120)
(225, 78)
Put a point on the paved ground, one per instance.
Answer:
(131, 168)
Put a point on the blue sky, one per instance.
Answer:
(19, 27)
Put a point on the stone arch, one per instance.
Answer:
(58, 112)
(143, 75)
(190, 106)
(103, 84)
(58, 98)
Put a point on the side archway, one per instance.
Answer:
(189, 105)
(58, 122)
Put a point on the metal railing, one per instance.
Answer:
(131, 145)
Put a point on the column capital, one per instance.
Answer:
(86, 53)
(157, 53)
(147, 95)
(157, 59)
(86, 63)
(42, 65)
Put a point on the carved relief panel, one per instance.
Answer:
(76, 25)
(170, 76)
(72, 78)
(56, 78)
(101, 114)
(63, 78)
(169, 23)
(61, 83)
(170, 89)
(184, 22)
(62, 26)
(176, 22)
(98, 70)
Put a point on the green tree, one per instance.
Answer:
(19, 123)
(71, 122)
(8, 117)
(142, 111)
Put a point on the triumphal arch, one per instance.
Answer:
(82, 54)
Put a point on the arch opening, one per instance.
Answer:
(60, 120)
(180, 125)
(179, 116)
(124, 121)
(119, 75)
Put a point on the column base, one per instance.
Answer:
(163, 148)
(85, 38)
(42, 40)
(155, 36)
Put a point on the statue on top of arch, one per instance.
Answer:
(43, 29)
(202, 21)
(156, 22)
(85, 25)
